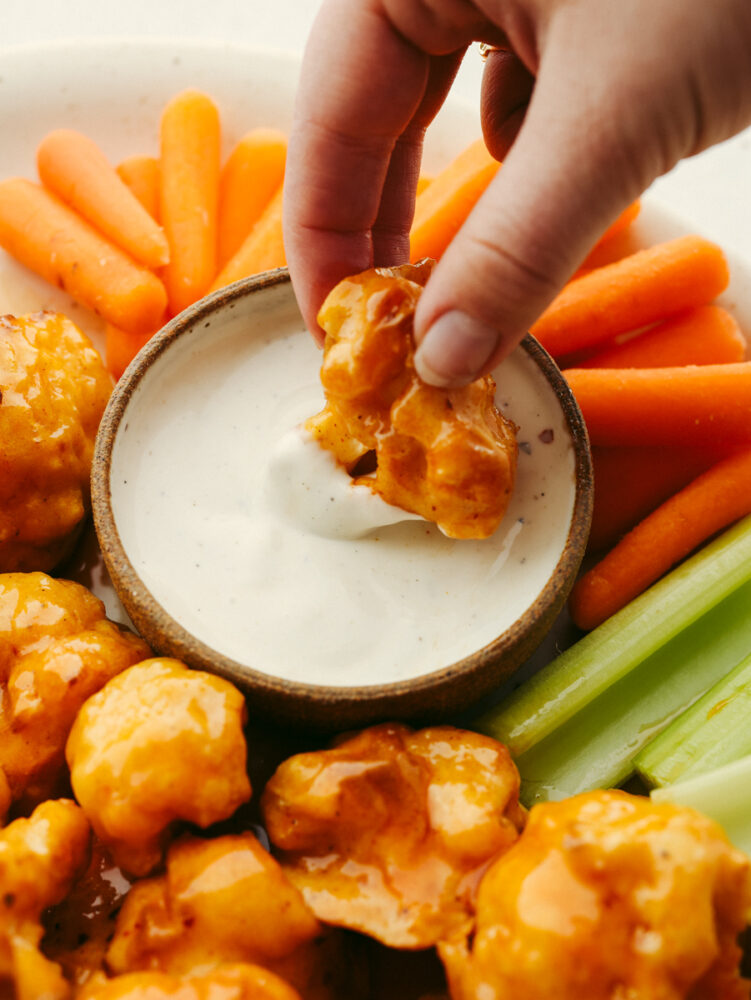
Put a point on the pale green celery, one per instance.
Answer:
(581, 674)
(716, 730)
(596, 748)
(723, 794)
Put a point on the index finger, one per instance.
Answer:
(361, 84)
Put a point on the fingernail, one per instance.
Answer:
(454, 350)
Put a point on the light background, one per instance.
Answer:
(712, 192)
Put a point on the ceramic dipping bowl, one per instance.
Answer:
(216, 569)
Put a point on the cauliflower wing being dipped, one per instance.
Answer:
(159, 743)
(53, 391)
(390, 831)
(226, 900)
(56, 649)
(230, 982)
(448, 455)
(39, 860)
(610, 897)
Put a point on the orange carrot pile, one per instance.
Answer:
(666, 397)
(639, 290)
(694, 405)
(75, 169)
(140, 242)
(706, 335)
(711, 502)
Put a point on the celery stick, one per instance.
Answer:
(723, 794)
(582, 673)
(596, 747)
(714, 731)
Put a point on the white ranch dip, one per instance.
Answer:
(229, 546)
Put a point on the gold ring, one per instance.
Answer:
(486, 48)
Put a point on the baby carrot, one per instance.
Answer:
(446, 202)
(633, 292)
(262, 250)
(706, 335)
(423, 181)
(693, 405)
(712, 501)
(74, 168)
(631, 482)
(51, 239)
(189, 195)
(121, 347)
(249, 180)
(141, 175)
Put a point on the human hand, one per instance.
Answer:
(589, 102)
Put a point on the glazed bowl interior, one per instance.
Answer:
(215, 567)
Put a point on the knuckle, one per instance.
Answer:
(522, 277)
(435, 26)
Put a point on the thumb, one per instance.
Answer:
(580, 157)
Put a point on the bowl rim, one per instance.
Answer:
(154, 622)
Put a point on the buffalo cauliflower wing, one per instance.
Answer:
(390, 831)
(159, 743)
(448, 455)
(53, 391)
(230, 982)
(39, 860)
(225, 900)
(56, 649)
(609, 897)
